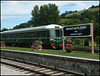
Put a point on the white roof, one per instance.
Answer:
(51, 26)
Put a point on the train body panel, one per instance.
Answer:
(28, 35)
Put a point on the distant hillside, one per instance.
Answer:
(82, 17)
(78, 13)
(65, 18)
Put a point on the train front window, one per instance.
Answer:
(58, 33)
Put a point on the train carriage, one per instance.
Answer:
(25, 37)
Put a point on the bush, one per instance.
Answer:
(77, 41)
(97, 39)
(86, 42)
(85, 48)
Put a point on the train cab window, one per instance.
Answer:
(57, 33)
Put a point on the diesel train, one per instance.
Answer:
(26, 36)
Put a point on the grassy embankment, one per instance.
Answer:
(78, 13)
(63, 20)
(58, 52)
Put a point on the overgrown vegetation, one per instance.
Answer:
(97, 39)
(77, 41)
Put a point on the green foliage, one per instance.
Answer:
(35, 14)
(23, 25)
(4, 29)
(47, 14)
(67, 12)
(86, 20)
(97, 39)
(73, 21)
(95, 6)
(77, 41)
(63, 21)
(79, 12)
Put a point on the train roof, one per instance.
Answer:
(51, 26)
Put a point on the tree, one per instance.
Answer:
(35, 14)
(75, 10)
(4, 29)
(53, 14)
(22, 25)
(47, 14)
(43, 14)
(70, 22)
(66, 12)
(29, 23)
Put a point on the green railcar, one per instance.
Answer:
(26, 36)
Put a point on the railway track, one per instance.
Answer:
(37, 70)
(11, 70)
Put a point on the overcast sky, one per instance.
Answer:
(16, 12)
